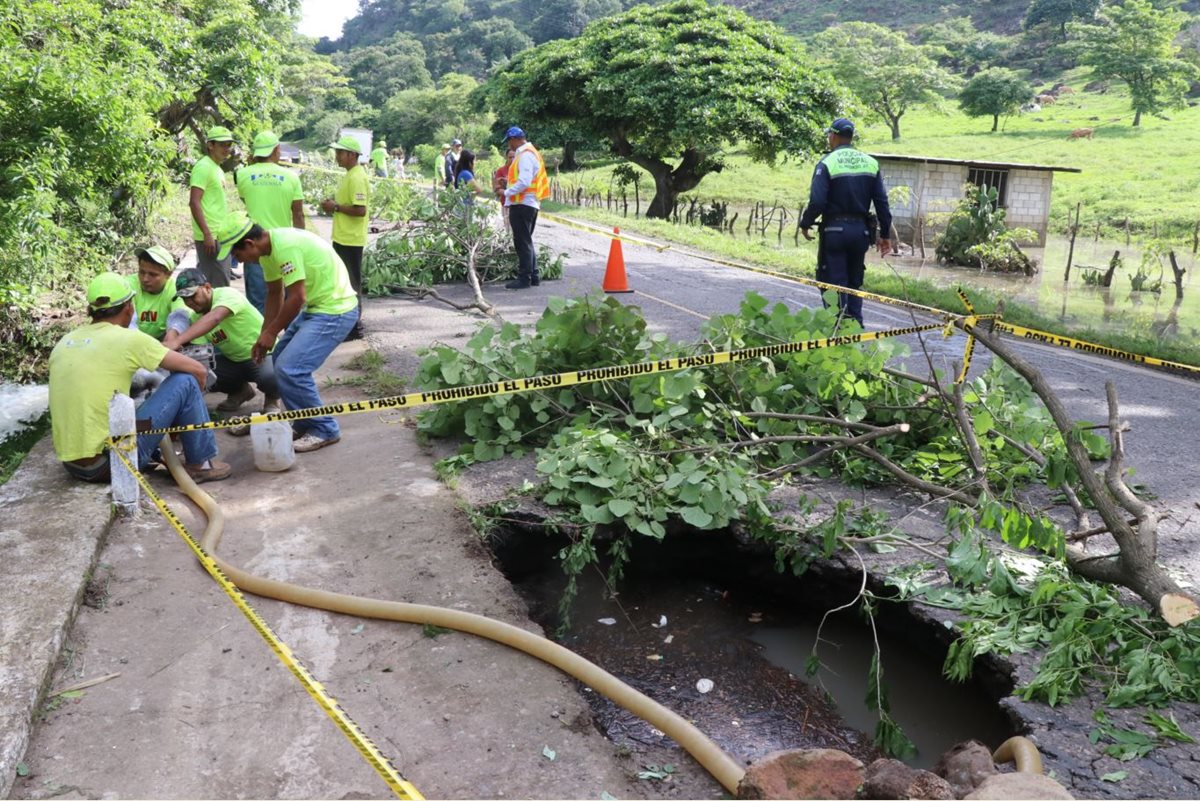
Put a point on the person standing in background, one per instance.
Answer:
(499, 183)
(379, 159)
(452, 161)
(350, 221)
(273, 198)
(208, 204)
(439, 165)
(528, 186)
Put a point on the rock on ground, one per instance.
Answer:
(812, 773)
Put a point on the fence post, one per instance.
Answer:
(122, 422)
(1071, 251)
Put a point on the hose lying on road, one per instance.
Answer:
(723, 767)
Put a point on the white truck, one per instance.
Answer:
(364, 137)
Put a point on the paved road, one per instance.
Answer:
(678, 290)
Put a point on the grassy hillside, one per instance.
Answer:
(810, 16)
(1149, 174)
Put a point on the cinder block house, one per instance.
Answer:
(935, 186)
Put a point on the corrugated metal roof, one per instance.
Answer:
(987, 165)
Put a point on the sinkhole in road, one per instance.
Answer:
(701, 607)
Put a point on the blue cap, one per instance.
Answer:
(514, 132)
(841, 126)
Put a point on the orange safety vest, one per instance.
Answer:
(540, 187)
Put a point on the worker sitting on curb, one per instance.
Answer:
(233, 326)
(153, 290)
(98, 359)
(320, 309)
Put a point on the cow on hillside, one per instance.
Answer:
(1082, 133)
(1045, 100)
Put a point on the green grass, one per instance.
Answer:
(1149, 174)
(1135, 338)
(14, 449)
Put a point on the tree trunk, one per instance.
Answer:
(1137, 118)
(669, 183)
(895, 123)
(568, 157)
(995, 122)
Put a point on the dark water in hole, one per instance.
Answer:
(752, 646)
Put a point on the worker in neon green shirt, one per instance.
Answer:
(319, 310)
(273, 198)
(153, 290)
(350, 219)
(208, 204)
(97, 359)
(379, 158)
(228, 320)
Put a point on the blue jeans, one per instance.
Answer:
(844, 246)
(303, 348)
(178, 401)
(256, 285)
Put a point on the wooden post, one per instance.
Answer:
(637, 199)
(1126, 232)
(1196, 238)
(1071, 251)
(122, 422)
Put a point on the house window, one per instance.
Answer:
(990, 179)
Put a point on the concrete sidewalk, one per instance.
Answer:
(52, 533)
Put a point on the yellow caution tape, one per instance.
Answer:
(369, 751)
(1033, 334)
(1047, 338)
(555, 380)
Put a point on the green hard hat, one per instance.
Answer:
(108, 291)
(348, 143)
(233, 229)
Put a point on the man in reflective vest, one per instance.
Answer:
(844, 185)
(528, 186)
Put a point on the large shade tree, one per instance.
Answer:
(994, 93)
(1133, 41)
(671, 88)
(889, 74)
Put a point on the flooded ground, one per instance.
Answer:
(1116, 308)
(673, 629)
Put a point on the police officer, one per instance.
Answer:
(844, 184)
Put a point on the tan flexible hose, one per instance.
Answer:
(723, 767)
(1022, 752)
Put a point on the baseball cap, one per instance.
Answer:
(455, 141)
(265, 144)
(445, 147)
(219, 133)
(514, 132)
(348, 143)
(108, 291)
(188, 281)
(841, 126)
(232, 230)
(157, 254)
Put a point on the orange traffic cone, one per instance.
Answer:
(614, 274)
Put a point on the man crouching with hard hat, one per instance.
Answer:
(99, 358)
